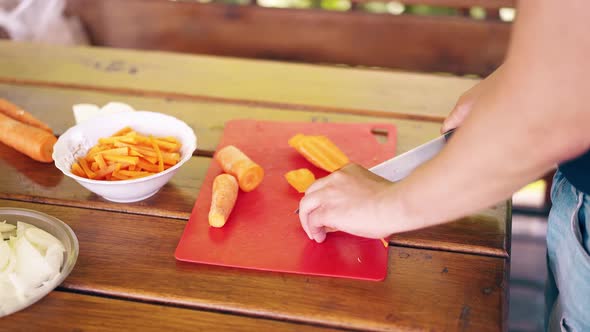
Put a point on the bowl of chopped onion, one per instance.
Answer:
(37, 253)
(125, 157)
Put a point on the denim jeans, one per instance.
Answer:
(567, 295)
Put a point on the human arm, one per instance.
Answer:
(534, 117)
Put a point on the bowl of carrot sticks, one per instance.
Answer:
(125, 157)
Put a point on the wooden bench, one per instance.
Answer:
(455, 44)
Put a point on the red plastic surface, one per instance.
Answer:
(263, 232)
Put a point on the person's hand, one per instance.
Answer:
(465, 102)
(352, 200)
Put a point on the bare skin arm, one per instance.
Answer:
(528, 119)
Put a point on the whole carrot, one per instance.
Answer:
(225, 193)
(11, 110)
(236, 163)
(32, 141)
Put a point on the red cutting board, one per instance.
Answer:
(263, 232)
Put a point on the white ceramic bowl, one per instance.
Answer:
(76, 142)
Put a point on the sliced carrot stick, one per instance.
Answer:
(11, 110)
(32, 141)
(147, 165)
(121, 159)
(236, 163)
(123, 131)
(100, 161)
(76, 169)
(89, 173)
(225, 193)
(135, 174)
(160, 159)
(103, 173)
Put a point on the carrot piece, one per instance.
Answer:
(160, 159)
(147, 165)
(124, 151)
(320, 151)
(94, 166)
(104, 173)
(123, 131)
(114, 139)
(12, 111)
(236, 163)
(31, 141)
(135, 174)
(76, 169)
(170, 139)
(132, 167)
(100, 161)
(89, 173)
(300, 179)
(121, 159)
(224, 196)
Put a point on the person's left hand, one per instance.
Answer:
(352, 200)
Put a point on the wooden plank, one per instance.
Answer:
(484, 233)
(278, 85)
(207, 119)
(490, 4)
(129, 256)
(61, 311)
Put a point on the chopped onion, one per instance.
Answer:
(30, 265)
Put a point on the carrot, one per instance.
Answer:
(225, 193)
(320, 151)
(236, 163)
(160, 159)
(300, 179)
(76, 169)
(11, 110)
(31, 141)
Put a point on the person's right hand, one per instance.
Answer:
(465, 102)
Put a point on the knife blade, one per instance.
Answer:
(401, 166)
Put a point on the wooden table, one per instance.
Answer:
(449, 277)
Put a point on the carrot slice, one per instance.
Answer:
(236, 163)
(320, 151)
(224, 196)
(300, 179)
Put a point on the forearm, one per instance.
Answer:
(516, 131)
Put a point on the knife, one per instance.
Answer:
(401, 166)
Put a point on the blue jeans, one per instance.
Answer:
(567, 295)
